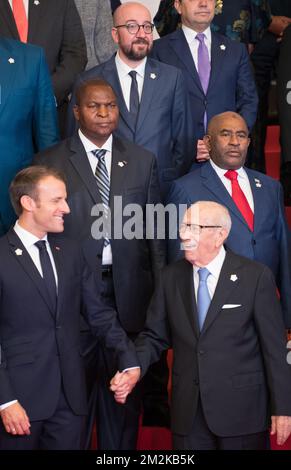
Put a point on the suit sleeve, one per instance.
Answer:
(73, 53)
(178, 202)
(271, 331)
(284, 281)
(155, 338)
(45, 126)
(246, 93)
(104, 323)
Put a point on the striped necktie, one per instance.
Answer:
(103, 184)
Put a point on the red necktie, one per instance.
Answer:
(239, 198)
(20, 19)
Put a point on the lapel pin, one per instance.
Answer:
(222, 47)
(121, 164)
(57, 248)
(18, 252)
(153, 76)
(233, 277)
(11, 60)
(36, 2)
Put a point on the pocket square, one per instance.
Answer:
(231, 305)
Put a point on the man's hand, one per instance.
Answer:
(202, 151)
(15, 420)
(278, 25)
(123, 383)
(281, 425)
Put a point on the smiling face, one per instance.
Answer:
(196, 14)
(97, 113)
(133, 48)
(45, 211)
(228, 141)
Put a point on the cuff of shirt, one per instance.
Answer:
(5, 405)
(129, 368)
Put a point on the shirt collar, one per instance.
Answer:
(214, 267)
(124, 69)
(27, 238)
(190, 34)
(221, 171)
(90, 146)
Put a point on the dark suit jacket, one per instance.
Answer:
(136, 262)
(231, 86)
(40, 347)
(54, 25)
(163, 125)
(237, 360)
(270, 241)
(28, 121)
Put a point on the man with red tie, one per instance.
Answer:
(259, 229)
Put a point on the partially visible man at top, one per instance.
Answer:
(216, 69)
(28, 121)
(152, 97)
(54, 25)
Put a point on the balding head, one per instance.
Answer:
(227, 140)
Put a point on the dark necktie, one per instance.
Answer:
(203, 67)
(203, 296)
(134, 97)
(103, 184)
(48, 273)
(240, 199)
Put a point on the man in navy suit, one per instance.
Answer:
(44, 286)
(162, 123)
(28, 121)
(231, 85)
(268, 240)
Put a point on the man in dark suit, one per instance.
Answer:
(28, 121)
(54, 25)
(220, 314)
(229, 84)
(45, 284)
(127, 264)
(153, 106)
(268, 240)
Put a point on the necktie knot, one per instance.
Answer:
(231, 175)
(203, 274)
(41, 245)
(99, 154)
(133, 74)
(200, 37)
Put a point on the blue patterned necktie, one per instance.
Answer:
(103, 183)
(134, 97)
(47, 273)
(203, 67)
(203, 297)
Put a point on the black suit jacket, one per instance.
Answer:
(40, 348)
(237, 364)
(136, 262)
(56, 26)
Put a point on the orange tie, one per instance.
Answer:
(240, 199)
(20, 19)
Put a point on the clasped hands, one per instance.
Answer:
(123, 383)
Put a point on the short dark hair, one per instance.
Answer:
(81, 89)
(25, 184)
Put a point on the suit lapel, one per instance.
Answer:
(118, 172)
(226, 284)
(23, 258)
(81, 164)
(212, 182)
(185, 286)
(57, 255)
(35, 12)
(6, 17)
(217, 59)
(150, 84)
(258, 196)
(8, 66)
(179, 44)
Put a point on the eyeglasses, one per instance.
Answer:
(195, 228)
(133, 28)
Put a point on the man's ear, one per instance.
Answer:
(206, 140)
(177, 5)
(27, 203)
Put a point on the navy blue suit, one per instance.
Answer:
(231, 86)
(270, 241)
(163, 124)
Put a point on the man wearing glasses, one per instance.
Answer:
(220, 314)
(152, 97)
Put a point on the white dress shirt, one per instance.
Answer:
(242, 179)
(25, 2)
(89, 147)
(29, 240)
(125, 80)
(214, 267)
(193, 43)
